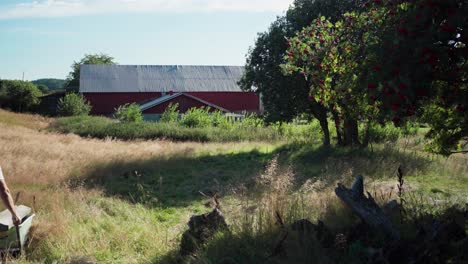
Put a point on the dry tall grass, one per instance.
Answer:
(25, 120)
(74, 221)
(39, 165)
(32, 157)
(259, 223)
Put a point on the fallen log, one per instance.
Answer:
(366, 207)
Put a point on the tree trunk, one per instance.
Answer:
(366, 139)
(326, 132)
(339, 132)
(320, 113)
(351, 132)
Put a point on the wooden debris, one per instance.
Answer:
(366, 207)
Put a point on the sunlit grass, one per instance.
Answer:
(24, 120)
(129, 201)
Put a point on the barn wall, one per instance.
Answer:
(232, 101)
(105, 103)
(185, 103)
(49, 103)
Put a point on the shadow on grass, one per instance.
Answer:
(253, 239)
(344, 163)
(354, 243)
(229, 248)
(176, 181)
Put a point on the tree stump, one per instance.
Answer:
(366, 207)
(201, 229)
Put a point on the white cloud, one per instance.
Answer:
(63, 8)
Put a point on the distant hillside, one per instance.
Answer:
(52, 84)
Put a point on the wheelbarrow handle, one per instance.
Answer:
(18, 236)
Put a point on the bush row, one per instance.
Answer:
(101, 127)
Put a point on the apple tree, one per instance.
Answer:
(387, 62)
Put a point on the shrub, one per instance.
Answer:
(251, 121)
(410, 128)
(171, 114)
(73, 105)
(197, 117)
(19, 96)
(386, 132)
(298, 132)
(101, 127)
(218, 119)
(129, 113)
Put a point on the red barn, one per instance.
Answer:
(107, 87)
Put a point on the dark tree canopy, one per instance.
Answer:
(282, 96)
(427, 59)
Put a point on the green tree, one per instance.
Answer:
(334, 59)
(73, 79)
(129, 113)
(388, 62)
(73, 104)
(19, 96)
(3, 94)
(285, 97)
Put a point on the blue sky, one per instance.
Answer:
(43, 38)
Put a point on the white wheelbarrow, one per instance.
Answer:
(13, 239)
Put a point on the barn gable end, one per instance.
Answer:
(185, 102)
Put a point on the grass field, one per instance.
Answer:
(129, 201)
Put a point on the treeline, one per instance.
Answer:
(50, 84)
(52, 97)
(24, 96)
(367, 62)
(19, 96)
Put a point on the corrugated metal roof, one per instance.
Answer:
(141, 78)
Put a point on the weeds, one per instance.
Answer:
(128, 113)
(194, 127)
(171, 115)
(197, 117)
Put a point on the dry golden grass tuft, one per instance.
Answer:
(24, 120)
